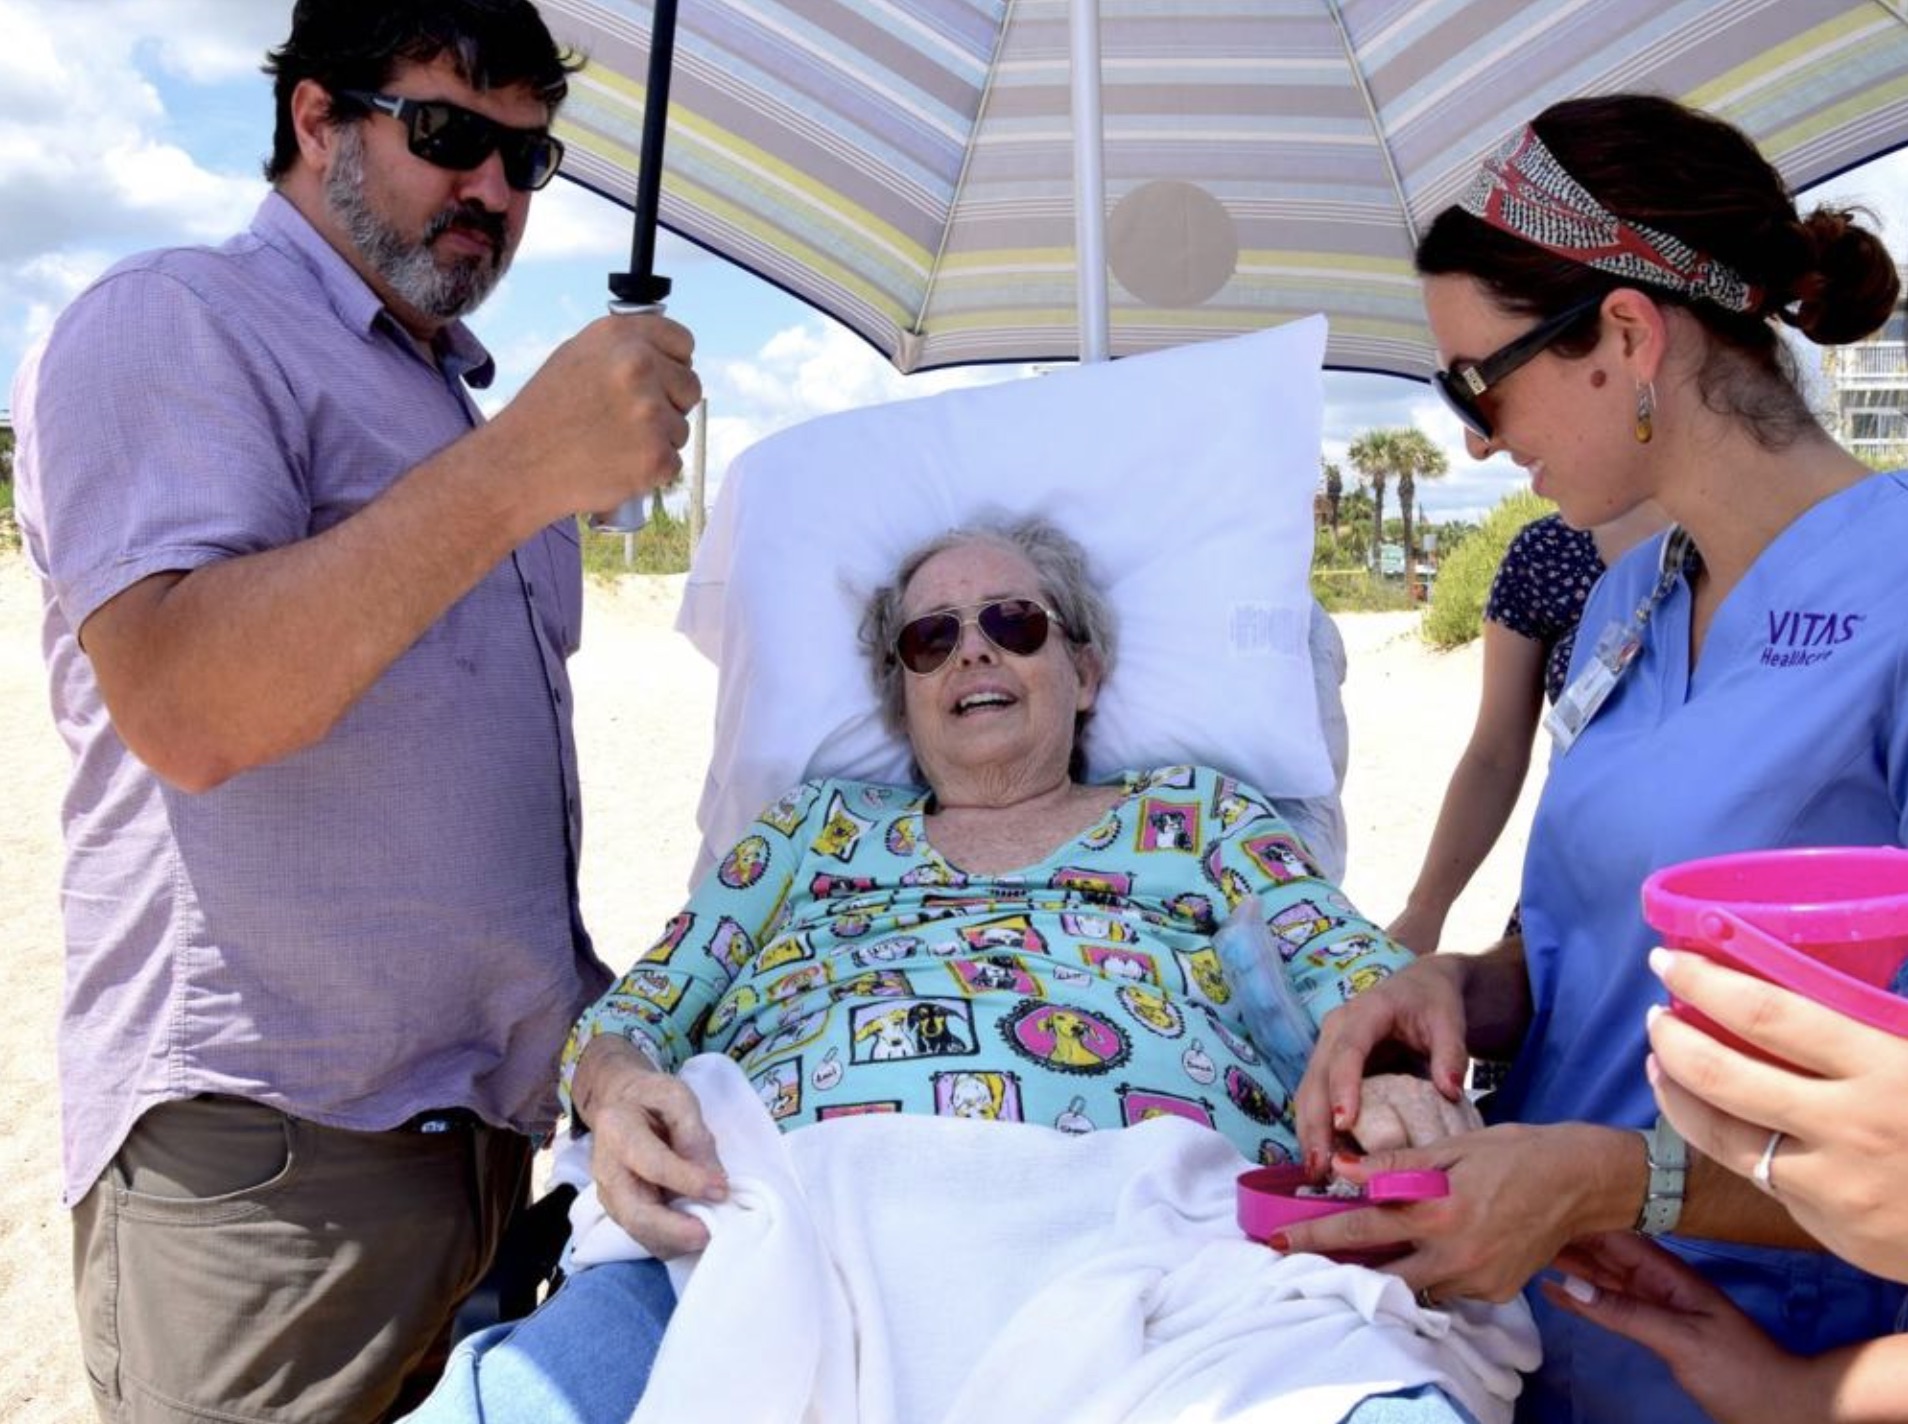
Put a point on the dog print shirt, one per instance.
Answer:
(847, 967)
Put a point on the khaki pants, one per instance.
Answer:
(237, 1264)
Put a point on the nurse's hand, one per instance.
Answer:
(1421, 1007)
(1840, 1165)
(1518, 1195)
(1739, 1375)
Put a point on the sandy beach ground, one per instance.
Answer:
(646, 703)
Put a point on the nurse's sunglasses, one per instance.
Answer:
(448, 136)
(1014, 625)
(1463, 384)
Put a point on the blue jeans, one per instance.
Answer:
(1424, 1405)
(585, 1356)
(582, 1358)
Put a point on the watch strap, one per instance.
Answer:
(1668, 1157)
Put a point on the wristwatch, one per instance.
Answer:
(1669, 1177)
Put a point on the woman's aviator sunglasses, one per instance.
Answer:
(1014, 625)
(452, 137)
(1463, 384)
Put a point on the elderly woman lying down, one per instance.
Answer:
(928, 982)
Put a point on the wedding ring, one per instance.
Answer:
(1766, 1162)
(1425, 1300)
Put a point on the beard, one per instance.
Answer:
(441, 291)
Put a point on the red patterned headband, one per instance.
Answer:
(1523, 190)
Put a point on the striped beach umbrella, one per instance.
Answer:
(909, 166)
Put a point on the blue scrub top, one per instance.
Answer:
(1790, 732)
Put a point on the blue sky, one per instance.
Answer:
(127, 124)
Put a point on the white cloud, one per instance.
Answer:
(1881, 187)
(803, 371)
(85, 163)
(568, 222)
(1356, 403)
(811, 369)
(159, 180)
(201, 41)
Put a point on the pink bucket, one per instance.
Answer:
(1830, 923)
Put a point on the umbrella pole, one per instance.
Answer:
(640, 289)
(1089, 179)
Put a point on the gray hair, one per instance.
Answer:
(1066, 585)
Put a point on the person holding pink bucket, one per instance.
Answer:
(1607, 297)
(1786, 985)
(1787, 1057)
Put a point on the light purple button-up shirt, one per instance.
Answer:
(382, 923)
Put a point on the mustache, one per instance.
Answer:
(470, 216)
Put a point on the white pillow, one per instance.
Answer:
(1188, 476)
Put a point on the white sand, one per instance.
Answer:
(645, 702)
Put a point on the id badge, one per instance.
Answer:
(1617, 648)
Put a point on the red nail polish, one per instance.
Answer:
(1279, 1241)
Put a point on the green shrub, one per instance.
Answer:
(1456, 614)
(661, 547)
(1890, 457)
(9, 526)
(1358, 591)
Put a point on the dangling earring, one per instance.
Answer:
(1645, 412)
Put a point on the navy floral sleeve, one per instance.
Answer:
(850, 968)
(1540, 588)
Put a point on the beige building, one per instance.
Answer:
(1868, 389)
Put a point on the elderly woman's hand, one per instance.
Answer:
(1398, 1110)
(1844, 1151)
(648, 1144)
(1420, 1007)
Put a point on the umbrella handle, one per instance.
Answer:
(631, 514)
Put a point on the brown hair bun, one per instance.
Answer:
(1849, 286)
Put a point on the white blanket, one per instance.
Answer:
(900, 1270)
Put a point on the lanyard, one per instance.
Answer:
(1617, 647)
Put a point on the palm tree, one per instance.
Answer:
(1416, 459)
(1334, 492)
(1374, 456)
(1407, 456)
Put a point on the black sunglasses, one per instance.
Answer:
(453, 137)
(1014, 625)
(1461, 385)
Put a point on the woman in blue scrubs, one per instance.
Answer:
(1607, 297)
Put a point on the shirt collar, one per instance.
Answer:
(278, 222)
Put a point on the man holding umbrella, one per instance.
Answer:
(307, 618)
